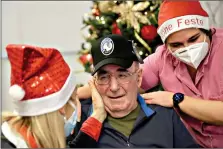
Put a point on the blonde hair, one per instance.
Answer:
(47, 129)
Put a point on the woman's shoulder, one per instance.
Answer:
(217, 41)
(159, 52)
(218, 30)
(5, 143)
(161, 49)
(10, 138)
(157, 59)
(218, 35)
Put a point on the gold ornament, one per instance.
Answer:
(130, 14)
(106, 6)
(142, 42)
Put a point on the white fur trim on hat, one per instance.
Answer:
(16, 92)
(48, 103)
(188, 21)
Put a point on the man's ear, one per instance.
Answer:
(139, 76)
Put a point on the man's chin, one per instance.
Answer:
(117, 113)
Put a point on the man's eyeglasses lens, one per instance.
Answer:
(121, 77)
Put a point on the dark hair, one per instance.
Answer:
(209, 32)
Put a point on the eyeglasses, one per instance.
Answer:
(122, 77)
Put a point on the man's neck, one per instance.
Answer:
(125, 124)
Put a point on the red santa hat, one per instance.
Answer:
(41, 81)
(178, 15)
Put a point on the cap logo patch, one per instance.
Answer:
(107, 46)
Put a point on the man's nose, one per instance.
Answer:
(114, 85)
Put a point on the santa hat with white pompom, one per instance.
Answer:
(41, 81)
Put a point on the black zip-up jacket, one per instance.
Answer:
(156, 126)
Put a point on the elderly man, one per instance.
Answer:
(130, 121)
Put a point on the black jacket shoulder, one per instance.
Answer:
(5, 143)
(79, 139)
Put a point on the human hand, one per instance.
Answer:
(162, 98)
(98, 105)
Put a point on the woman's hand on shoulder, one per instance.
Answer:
(162, 98)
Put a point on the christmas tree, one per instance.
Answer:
(136, 20)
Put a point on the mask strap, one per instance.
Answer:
(205, 38)
(72, 104)
(169, 50)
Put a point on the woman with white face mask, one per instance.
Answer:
(46, 106)
(190, 68)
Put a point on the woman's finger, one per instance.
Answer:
(147, 95)
(149, 101)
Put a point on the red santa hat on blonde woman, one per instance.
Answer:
(178, 15)
(41, 81)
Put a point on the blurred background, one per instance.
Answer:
(71, 27)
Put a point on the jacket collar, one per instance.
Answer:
(146, 109)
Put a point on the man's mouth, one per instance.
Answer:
(115, 97)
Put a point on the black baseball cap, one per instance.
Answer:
(113, 49)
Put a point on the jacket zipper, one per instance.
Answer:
(128, 144)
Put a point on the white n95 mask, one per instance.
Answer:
(193, 54)
(71, 122)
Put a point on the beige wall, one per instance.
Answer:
(215, 11)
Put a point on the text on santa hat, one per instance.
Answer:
(180, 23)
